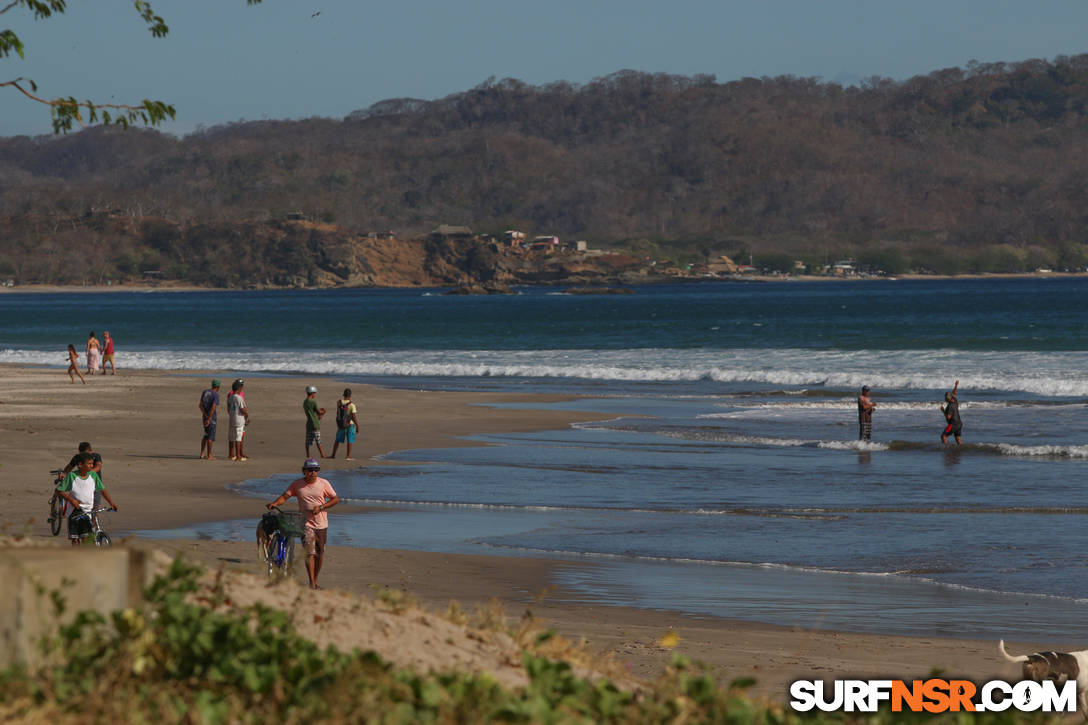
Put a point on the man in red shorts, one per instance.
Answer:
(315, 496)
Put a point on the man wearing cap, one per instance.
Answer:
(239, 419)
(209, 404)
(313, 420)
(865, 415)
(315, 496)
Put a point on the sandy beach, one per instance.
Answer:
(146, 426)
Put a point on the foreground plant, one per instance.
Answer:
(191, 656)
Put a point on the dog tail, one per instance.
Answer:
(1009, 657)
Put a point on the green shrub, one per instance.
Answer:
(191, 657)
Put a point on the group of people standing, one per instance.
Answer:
(99, 356)
(347, 423)
(315, 494)
(238, 419)
(950, 410)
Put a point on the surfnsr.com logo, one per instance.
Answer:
(933, 695)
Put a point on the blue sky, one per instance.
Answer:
(224, 61)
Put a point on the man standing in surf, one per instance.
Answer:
(865, 415)
(952, 416)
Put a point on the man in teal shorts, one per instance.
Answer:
(347, 424)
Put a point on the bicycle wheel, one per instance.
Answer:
(288, 555)
(270, 552)
(55, 515)
(102, 539)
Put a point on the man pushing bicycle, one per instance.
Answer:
(315, 496)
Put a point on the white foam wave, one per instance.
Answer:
(1010, 449)
(720, 437)
(1044, 374)
(849, 403)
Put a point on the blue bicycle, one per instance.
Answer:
(276, 540)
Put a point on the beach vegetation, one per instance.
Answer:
(187, 656)
(397, 601)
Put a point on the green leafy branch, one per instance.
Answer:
(67, 112)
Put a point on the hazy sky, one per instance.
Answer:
(224, 61)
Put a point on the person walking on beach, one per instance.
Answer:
(80, 488)
(347, 424)
(313, 421)
(209, 405)
(94, 350)
(84, 447)
(73, 365)
(951, 411)
(865, 415)
(107, 354)
(239, 419)
(315, 496)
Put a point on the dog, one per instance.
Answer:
(265, 527)
(1057, 666)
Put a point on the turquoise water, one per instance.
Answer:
(727, 478)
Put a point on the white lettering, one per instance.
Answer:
(803, 693)
(989, 702)
(855, 696)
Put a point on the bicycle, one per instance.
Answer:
(101, 538)
(277, 550)
(57, 505)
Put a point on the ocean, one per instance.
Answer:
(727, 478)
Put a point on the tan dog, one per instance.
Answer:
(1057, 666)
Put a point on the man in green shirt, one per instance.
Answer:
(313, 421)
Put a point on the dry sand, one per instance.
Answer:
(146, 426)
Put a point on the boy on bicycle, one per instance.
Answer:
(78, 488)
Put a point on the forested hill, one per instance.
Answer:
(962, 169)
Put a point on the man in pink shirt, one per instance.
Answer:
(315, 497)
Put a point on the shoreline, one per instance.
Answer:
(148, 288)
(145, 425)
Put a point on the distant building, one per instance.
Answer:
(844, 268)
(295, 216)
(450, 231)
(512, 238)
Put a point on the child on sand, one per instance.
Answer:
(73, 364)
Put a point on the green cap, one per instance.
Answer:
(215, 382)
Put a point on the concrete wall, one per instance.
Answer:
(89, 578)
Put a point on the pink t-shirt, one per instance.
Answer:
(310, 497)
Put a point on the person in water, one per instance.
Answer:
(951, 411)
(865, 415)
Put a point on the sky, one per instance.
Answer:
(224, 61)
